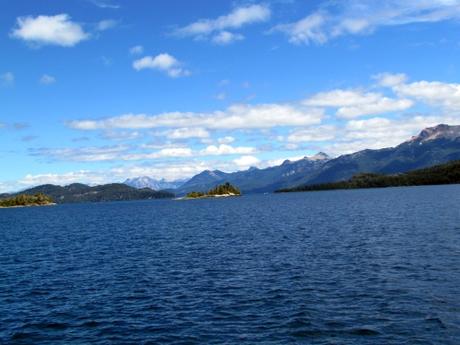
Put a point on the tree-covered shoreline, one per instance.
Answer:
(448, 173)
(23, 200)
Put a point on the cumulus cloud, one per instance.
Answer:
(80, 176)
(135, 153)
(162, 62)
(436, 93)
(380, 132)
(224, 149)
(245, 162)
(170, 152)
(187, 133)
(338, 18)
(239, 17)
(355, 103)
(49, 30)
(234, 117)
(390, 79)
(47, 79)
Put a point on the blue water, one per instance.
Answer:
(339, 267)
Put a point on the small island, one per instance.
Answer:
(23, 200)
(223, 190)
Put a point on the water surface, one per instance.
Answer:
(378, 266)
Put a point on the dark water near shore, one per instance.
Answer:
(339, 267)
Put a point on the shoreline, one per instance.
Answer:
(207, 197)
(32, 205)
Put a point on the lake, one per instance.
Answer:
(376, 266)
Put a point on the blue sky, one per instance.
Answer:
(97, 91)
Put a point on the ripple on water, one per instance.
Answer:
(317, 268)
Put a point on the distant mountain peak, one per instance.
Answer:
(319, 156)
(213, 173)
(148, 182)
(441, 131)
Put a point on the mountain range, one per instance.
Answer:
(434, 145)
(78, 192)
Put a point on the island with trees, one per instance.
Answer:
(223, 190)
(448, 173)
(23, 200)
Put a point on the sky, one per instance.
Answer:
(97, 91)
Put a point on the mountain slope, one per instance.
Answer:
(448, 173)
(82, 193)
(256, 180)
(148, 182)
(434, 145)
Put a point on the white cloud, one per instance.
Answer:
(109, 153)
(338, 18)
(380, 132)
(234, 117)
(105, 4)
(236, 19)
(187, 133)
(354, 103)
(169, 171)
(49, 30)
(306, 30)
(226, 140)
(382, 105)
(136, 50)
(134, 153)
(47, 79)
(7, 78)
(81, 176)
(121, 135)
(320, 133)
(436, 93)
(84, 154)
(162, 62)
(226, 37)
(171, 152)
(224, 149)
(106, 24)
(390, 79)
(245, 162)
